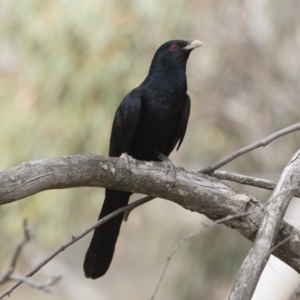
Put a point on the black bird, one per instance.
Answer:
(148, 124)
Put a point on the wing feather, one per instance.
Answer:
(179, 134)
(125, 123)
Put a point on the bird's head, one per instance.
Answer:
(173, 54)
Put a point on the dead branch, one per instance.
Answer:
(261, 143)
(45, 286)
(10, 276)
(191, 235)
(257, 257)
(247, 180)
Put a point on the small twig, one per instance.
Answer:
(9, 276)
(274, 248)
(261, 143)
(72, 241)
(191, 235)
(244, 179)
(279, 244)
(247, 180)
(26, 237)
(43, 286)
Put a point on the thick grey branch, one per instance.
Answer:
(261, 143)
(257, 257)
(193, 191)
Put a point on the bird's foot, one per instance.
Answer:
(169, 167)
(129, 159)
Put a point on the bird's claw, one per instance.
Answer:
(129, 159)
(169, 167)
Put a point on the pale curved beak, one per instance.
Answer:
(193, 44)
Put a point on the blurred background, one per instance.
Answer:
(64, 68)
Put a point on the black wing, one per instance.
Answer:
(179, 134)
(125, 124)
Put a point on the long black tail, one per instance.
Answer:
(101, 250)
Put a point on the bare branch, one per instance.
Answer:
(247, 180)
(9, 276)
(279, 244)
(26, 237)
(92, 170)
(191, 235)
(261, 143)
(255, 261)
(45, 285)
(244, 179)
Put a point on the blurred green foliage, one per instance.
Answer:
(65, 66)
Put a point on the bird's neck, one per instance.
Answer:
(172, 80)
(168, 68)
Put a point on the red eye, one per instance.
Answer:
(173, 47)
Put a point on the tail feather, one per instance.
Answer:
(101, 250)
